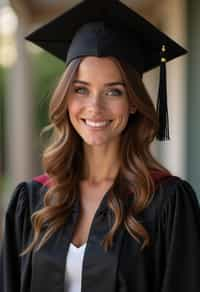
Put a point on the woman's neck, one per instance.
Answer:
(101, 164)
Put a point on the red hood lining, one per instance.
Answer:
(156, 175)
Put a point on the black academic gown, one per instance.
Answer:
(171, 263)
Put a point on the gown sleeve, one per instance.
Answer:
(180, 224)
(14, 228)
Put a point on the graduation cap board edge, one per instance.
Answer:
(109, 27)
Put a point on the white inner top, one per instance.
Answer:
(73, 271)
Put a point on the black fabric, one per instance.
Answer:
(171, 263)
(105, 28)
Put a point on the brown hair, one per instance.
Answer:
(63, 162)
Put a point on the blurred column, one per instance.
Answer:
(20, 116)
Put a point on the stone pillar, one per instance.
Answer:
(20, 117)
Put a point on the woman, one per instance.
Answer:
(106, 216)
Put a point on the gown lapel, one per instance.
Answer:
(49, 262)
(99, 271)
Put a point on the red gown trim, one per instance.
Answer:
(156, 175)
(43, 179)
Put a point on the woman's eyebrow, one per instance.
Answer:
(106, 84)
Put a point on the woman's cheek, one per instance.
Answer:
(74, 107)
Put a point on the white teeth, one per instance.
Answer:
(96, 124)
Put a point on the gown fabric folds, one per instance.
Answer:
(170, 264)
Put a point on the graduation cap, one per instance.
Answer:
(109, 28)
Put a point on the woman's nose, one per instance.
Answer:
(96, 101)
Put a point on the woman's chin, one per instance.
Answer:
(95, 143)
(98, 141)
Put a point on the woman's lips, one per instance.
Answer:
(96, 124)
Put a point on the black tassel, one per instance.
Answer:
(162, 108)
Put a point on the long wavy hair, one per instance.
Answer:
(63, 162)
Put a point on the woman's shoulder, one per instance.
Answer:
(175, 198)
(171, 187)
(173, 195)
(28, 195)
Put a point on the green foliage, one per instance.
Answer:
(46, 72)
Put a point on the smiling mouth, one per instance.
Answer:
(96, 125)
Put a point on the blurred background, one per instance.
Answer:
(28, 76)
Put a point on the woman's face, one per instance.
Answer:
(97, 101)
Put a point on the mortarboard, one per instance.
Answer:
(110, 28)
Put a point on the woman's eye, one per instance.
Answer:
(84, 90)
(80, 90)
(114, 92)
